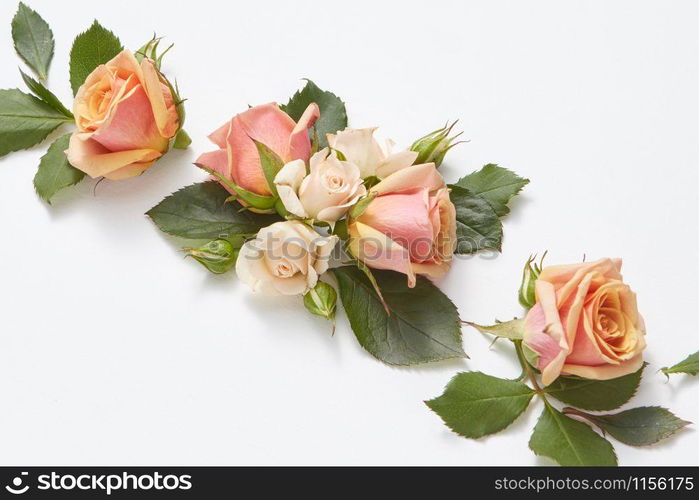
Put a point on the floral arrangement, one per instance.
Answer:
(293, 190)
(581, 342)
(126, 112)
(299, 204)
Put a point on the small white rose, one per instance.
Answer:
(285, 258)
(361, 148)
(326, 193)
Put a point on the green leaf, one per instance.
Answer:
(55, 173)
(95, 46)
(569, 442)
(45, 95)
(596, 394)
(689, 365)
(270, 163)
(333, 115)
(478, 227)
(513, 330)
(423, 324)
(25, 120)
(496, 184)
(641, 426)
(200, 211)
(182, 140)
(475, 404)
(33, 40)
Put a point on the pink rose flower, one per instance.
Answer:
(585, 322)
(410, 226)
(237, 158)
(125, 116)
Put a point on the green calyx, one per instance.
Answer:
(530, 273)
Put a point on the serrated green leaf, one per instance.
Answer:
(513, 330)
(33, 40)
(641, 426)
(200, 211)
(45, 95)
(271, 164)
(55, 173)
(596, 395)
(569, 442)
(496, 184)
(423, 324)
(333, 115)
(95, 46)
(478, 227)
(475, 404)
(25, 120)
(689, 365)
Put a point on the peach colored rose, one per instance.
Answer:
(326, 193)
(410, 226)
(585, 322)
(125, 115)
(286, 258)
(238, 159)
(373, 159)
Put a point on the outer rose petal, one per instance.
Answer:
(377, 250)
(359, 147)
(544, 318)
(425, 176)
(161, 101)
(395, 162)
(131, 125)
(299, 142)
(404, 218)
(287, 182)
(95, 160)
(605, 372)
(216, 160)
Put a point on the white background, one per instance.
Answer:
(115, 350)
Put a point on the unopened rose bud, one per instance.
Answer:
(530, 274)
(434, 146)
(321, 300)
(218, 256)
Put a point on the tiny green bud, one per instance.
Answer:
(434, 146)
(321, 301)
(218, 256)
(531, 272)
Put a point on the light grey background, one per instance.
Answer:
(115, 350)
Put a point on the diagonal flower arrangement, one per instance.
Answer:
(581, 343)
(299, 204)
(291, 186)
(126, 113)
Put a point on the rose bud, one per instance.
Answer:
(125, 115)
(435, 145)
(321, 301)
(326, 193)
(361, 148)
(285, 258)
(238, 159)
(410, 225)
(218, 256)
(585, 322)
